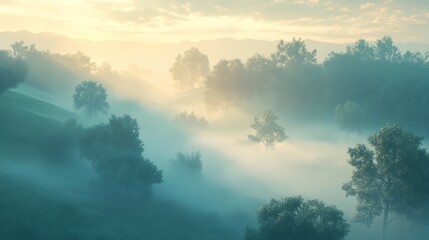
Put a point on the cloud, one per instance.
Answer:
(366, 5)
(161, 20)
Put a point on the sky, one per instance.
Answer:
(162, 21)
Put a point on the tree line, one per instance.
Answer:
(372, 82)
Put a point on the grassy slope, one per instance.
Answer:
(29, 211)
(24, 120)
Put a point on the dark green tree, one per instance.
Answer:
(268, 131)
(294, 218)
(13, 71)
(120, 133)
(391, 178)
(190, 69)
(91, 98)
(115, 150)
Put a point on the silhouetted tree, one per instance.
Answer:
(190, 119)
(13, 71)
(79, 62)
(259, 63)
(294, 218)
(120, 133)
(268, 131)
(115, 150)
(91, 97)
(21, 51)
(189, 164)
(293, 53)
(385, 50)
(361, 50)
(392, 178)
(190, 69)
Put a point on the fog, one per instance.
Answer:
(69, 179)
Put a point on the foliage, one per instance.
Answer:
(21, 51)
(114, 166)
(298, 91)
(388, 85)
(189, 164)
(385, 50)
(79, 62)
(227, 85)
(91, 97)
(293, 53)
(294, 218)
(13, 71)
(350, 116)
(392, 178)
(115, 151)
(190, 69)
(268, 131)
(189, 119)
(120, 133)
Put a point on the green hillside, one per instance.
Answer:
(25, 120)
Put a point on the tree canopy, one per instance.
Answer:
(190, 69)
(115, 150)
(189, 164)
(189, 119)
(225, 85)
(13, 71)
(268, 131)
(388, 85)
(91, 98)
(294, 218)
(391, 178)
(293, 53)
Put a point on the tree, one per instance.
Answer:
(21, 51)
(226, 85)
(13, 71)
(293, 53)
(120, 133)
(115, 151)
(392, 178)
(361, 50)
(294, 218)
(349, 116)
(268, 131)
(259, 63)
(189, 164)
(385, 50)
(91, 97)
(190, 69)
(190, 119)
(79, 62)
